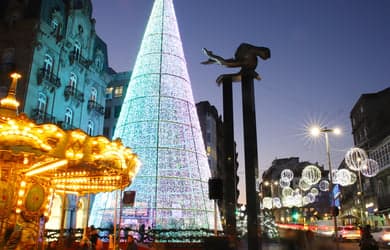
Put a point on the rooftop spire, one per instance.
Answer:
(9, 105)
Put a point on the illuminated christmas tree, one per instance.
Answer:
(159, 122)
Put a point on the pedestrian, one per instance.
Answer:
(93, 236)
(367, 242)
(131, 245)
(141, 232)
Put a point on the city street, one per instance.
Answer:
(280, 246)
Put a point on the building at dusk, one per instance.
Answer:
(63, 62)
(159, 121)
(270, 187)
(211, 124)
(115, 94)
(370, 121)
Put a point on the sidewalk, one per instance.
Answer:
(266, 245)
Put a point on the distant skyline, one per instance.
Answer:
(324, 56)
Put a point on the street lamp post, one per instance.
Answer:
(316, 131)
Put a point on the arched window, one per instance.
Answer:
(77, 50)
(54, 24)
(90, 127)
(73, 81)
(42, 102)
(68, 116)
(93, 95)
(48, 64)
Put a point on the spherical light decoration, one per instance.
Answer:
(354, 158)
(304, 184)
(324, 185)
(314, 191)
(312, 173)
(344, 177)
(287, 191)
(287, 175)
(297, 200)
(353, 177)
(311, 197)
(305, 200)
(369, 168)
(284, 183)
(297, 191)
(276, 202)
(287, 201)
(267, 202)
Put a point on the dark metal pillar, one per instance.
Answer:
(251, 160)
(230, 196)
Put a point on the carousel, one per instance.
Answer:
(38, 162)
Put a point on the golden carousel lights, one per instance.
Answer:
(37, 161)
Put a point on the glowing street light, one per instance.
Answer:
(317, 131)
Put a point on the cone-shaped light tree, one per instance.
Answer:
(159, 121)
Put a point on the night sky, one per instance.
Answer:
(324, 55)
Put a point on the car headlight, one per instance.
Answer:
(386, 237)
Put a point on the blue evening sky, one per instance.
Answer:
(324, 55)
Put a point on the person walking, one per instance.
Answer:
(367, 242)
(131, 245)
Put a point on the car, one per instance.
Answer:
(348, 233)
(382, 236)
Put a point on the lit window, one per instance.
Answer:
(68, 116)
(90, 127)
(118, 91)
(109, 91)
(93, 95)
(73, 81)
(48, 64)
(42, 101)
(54, 24)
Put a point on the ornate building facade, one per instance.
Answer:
(64, 68)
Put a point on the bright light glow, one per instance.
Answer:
(159, 121)
(16, 75)
(337, 131)
(315, 131)
(36, 169)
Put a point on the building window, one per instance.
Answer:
(48, 64)
(42, 102)
(93, 96)
(73, 81)
(90, 127)
(68, 116)
(118, 91)
(77, 50)
(117, 111)
(99, 63)
(54, 24)
(109, 91)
